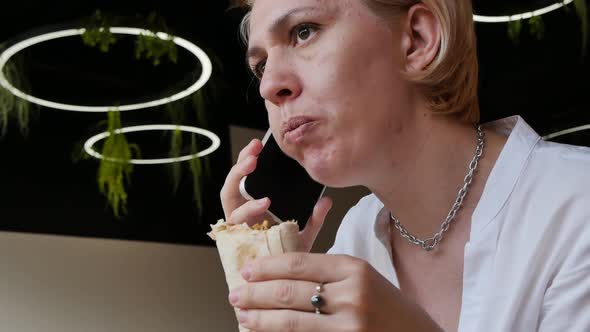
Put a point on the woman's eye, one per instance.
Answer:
(259, 69)
(303, 32)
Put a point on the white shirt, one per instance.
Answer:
(527, 263)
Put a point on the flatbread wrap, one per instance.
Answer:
(238, 244)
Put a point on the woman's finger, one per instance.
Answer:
(250, 212)
(302, 266)
(230, 193)
(237, 172)
(284, 294)
(252, 149)
(287, 320)
(315, 223)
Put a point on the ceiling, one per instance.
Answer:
(43, 191)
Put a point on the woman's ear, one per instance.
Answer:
(421, 38)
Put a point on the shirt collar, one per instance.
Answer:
(507, 170)
(501, 181)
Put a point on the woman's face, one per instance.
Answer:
(330, 77)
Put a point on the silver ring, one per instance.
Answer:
(317, 301)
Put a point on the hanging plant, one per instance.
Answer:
(152, 45)
(200, 100)
(536, 26)
(7, 106)
(98, 33)
(149, 45)
(582, 11)
(196, 168)
(78, 152)
(154, 48)
(177, 112)
(114, 172)
(99, 36)
(175, 151)
(11, 106)
(514, 29)
(115, 169)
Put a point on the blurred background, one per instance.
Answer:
(73, 261)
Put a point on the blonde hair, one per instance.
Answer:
(450, 82)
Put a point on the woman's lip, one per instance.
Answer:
(294, 136)
(294, 123)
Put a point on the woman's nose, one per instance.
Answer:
(279, 83)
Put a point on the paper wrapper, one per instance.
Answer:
(237, 244)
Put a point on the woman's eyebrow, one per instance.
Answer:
(277, 26)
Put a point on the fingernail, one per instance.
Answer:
(262, 201)
(247, 272)
(243, 316)
(234, 296)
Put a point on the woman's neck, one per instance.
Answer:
(420, 186)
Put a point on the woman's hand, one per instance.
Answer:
(356, 297)
(238, 210)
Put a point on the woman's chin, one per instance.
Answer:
(323, 173)
(324, 163)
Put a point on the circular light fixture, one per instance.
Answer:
(215, 143)
(567, 131)
(206, 65)
(522, 16)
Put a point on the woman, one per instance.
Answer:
(382, 93)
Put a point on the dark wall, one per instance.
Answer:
(42, 190)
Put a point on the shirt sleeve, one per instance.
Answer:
(347, 237)
(343, 238)
(566, 306)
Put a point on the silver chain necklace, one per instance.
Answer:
(431, 243)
